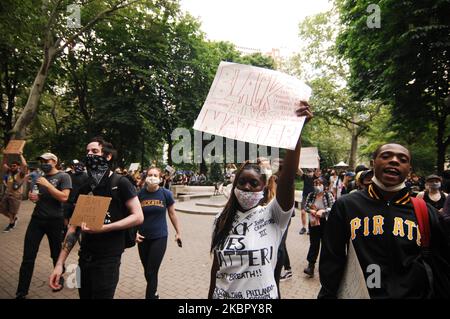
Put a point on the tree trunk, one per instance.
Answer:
(353, 148)
(29, 112)
(169, 150)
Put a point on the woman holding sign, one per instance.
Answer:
(246, 235)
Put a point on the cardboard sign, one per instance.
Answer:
(254, 105)
(309, 157)
(14, 147)
(170, 169)
(353, 284)
(134, 167)
(90, 210)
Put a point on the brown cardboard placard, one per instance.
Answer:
(15, 147)
(90, 210)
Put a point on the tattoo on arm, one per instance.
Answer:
(71, 240)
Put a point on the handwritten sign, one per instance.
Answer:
(309, 157)
(254, 105)
(90, 210)
(134, 167)
(353, 284)
(14, 147)
(170, 169)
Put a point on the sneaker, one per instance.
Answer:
(287, 275)
(14, 224)
(21, 295)
(309, 270)
(8, 228)
(302, 231)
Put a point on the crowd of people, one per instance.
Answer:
(393, 218)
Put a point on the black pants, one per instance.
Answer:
(315, 236)
(282, 259)
(152, 253)
(99, 276)
(36, 230)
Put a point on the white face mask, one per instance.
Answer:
(248, 200)
(390, 189)
(152, 180)
(318, 189)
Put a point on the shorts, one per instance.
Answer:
(9, 205)
(303, 203)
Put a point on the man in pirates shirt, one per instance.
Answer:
(100, 251)
(381, 223)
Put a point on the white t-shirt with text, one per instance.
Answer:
(248, 257)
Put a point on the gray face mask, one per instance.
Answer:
(435, 185)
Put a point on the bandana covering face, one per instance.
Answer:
(97, 166)
(248, 200)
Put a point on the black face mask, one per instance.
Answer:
(46, 167)
(97, 166)
(78, 169)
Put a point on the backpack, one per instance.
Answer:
(130, 233)
(436, 267)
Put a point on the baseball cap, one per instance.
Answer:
(433, 176)
(48, 156)
(351, 174)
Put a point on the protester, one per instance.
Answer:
(308, 187)
(382, 226)
(318, 206)
(47, 219)
(14, 177)
(246, 235)
(152, 234)
(101, 250)
(433, 195)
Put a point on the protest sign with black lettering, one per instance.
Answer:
(254, 105)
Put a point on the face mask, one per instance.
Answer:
(248, 200)
(435, 185)
(78, 169)
(152, 180)
(390, 189)
(46, 167)
(318, 189)
(97, 166)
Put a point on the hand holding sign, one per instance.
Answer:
(90, 212)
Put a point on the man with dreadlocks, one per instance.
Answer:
(246, 235)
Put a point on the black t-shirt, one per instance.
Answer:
(110, 243)
(47, 207)
(308, 185)
(78, 181)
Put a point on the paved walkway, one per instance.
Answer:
(184, 273)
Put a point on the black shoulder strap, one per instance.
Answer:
(115, 179)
